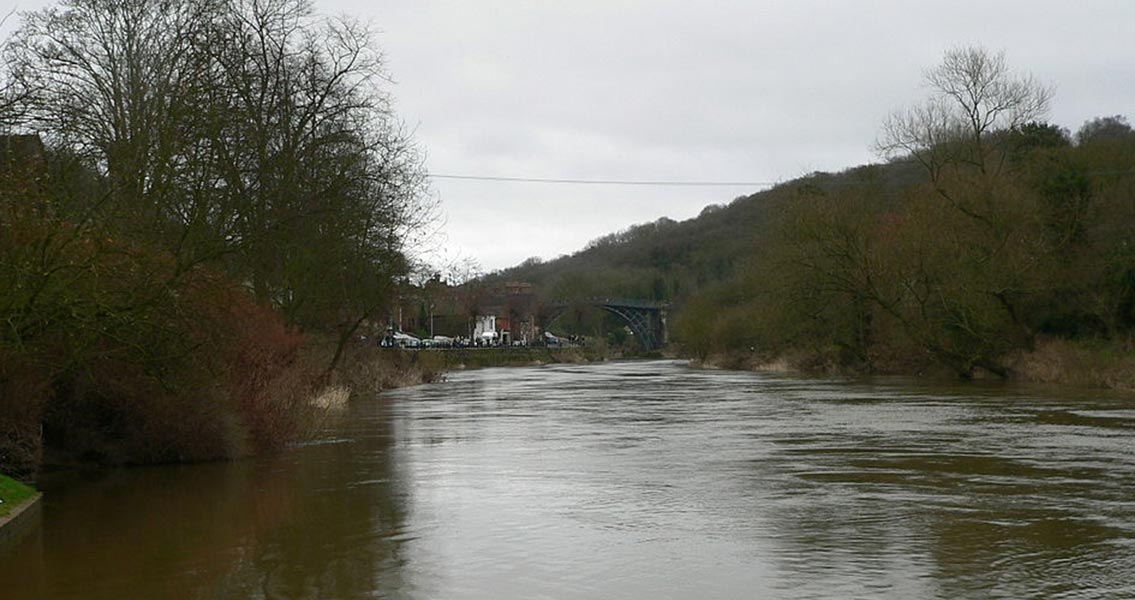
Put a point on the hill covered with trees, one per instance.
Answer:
(989, 241)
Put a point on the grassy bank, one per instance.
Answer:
(13, 493)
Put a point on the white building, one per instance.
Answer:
(485, 328)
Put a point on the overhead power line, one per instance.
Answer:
(608, 181)
(663, 183)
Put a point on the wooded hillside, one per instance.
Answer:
(986, 234)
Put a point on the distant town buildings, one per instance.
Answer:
(503, 315)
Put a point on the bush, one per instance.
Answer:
(261, 367)
(23, 391)
(111, 353)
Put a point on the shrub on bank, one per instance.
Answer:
(229, 379)
(111, 352)
(23, 389)
(261, 365)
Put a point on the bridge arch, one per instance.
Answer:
(647, 319)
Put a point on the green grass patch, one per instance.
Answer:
(13, 493)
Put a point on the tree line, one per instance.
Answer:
(986, 241)
(217, 178)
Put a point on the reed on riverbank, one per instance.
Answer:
(1085, 364)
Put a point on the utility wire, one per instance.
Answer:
(664, 183)
(608, 181)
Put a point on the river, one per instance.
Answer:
(629, 480)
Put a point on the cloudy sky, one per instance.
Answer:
(713, 90)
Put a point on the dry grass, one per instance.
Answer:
(367, 369)
(1087, 364)
(332, 397)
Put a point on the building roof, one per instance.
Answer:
(22, 150)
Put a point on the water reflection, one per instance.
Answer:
(632, 480)
(283, 527)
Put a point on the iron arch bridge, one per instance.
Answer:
(646, 318)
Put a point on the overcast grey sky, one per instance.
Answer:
(709, 90)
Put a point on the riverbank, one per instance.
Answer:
(474, 358)
(12, 495)
(368, 369)
(1104, 365)
(1081, 364)
(271, 408)
(19, 505)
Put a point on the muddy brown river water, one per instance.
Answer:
(626, 480)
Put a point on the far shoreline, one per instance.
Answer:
(1052, 362)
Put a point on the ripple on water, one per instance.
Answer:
(628, 480)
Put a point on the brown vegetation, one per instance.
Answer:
(368, 369)
(1085, 364)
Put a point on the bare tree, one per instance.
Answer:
(972, 94)
(13, 97)
(111, 77)
(959, 136)
(249, 134)
(328, 190)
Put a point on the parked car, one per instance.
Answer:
(405, 340)
(554, 341)
(442, 341)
